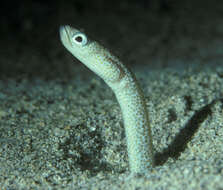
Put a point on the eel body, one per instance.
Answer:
(126, 88)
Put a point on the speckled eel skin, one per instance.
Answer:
(127, 91)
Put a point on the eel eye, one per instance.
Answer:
(79, 39)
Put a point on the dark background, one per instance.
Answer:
(136, 30)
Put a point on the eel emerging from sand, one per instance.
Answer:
(127, 91)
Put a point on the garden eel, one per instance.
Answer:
(127, 91)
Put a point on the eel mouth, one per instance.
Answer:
(64, 34)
